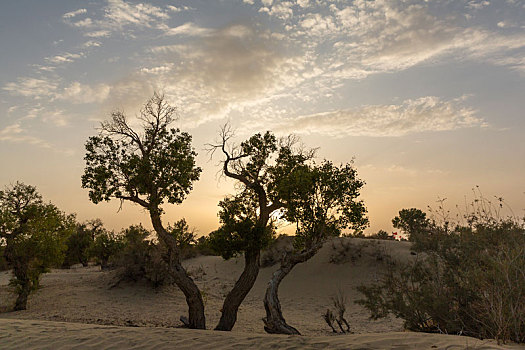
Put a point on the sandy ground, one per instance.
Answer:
(83, 295)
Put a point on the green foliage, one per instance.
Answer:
(132, 258)
(239, 230)
(381, 234)
(35, 235)
(80, 244)
(143, 259)
(148, 168)
(322, 201)
(263, 166)
(470, 280)
(412, 221)
(106, 247)
(185, 239)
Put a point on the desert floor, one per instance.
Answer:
(72, 307)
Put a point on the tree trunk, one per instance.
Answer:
(274, 321)
(23, 294)
(196, 317)
(239, 291)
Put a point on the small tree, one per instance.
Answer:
(412, 221)
(79, 246)
(147, 167)
(35, 234)
(322, 202)
(258, 165)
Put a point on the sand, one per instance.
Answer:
(71, 307)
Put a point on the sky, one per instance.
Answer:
(426, 97)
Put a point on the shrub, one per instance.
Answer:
(337, 314)
(470, 280)
(381, 234)
(276, 250)
(345, 251)
(79, 246)
(142, 259)
(106, 247)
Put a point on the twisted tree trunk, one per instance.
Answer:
(274, 321)
(239, 291)
(196, 317)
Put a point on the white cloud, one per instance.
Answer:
(74, 13)
(85, 23)
(228, 70)
(98, 34)
(91, 43)
(412, 116)
(64, 58)
(15, 133)
(77, 92)
(187, 29)
(118, 14)
(180, 9)
(31, 87)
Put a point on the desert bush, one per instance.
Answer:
(140, 259)
(106, 247)
(143, 259)
(79, 246)
(345, 251)
(276, 250)
(470, 280)
(336, 315)
(203, 247)
(133, 257)
(381, 234)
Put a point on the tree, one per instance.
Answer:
(147, 167)
(322, 202)
(35, 234)
(258, 165)
(411, 221)
(79, 246)
(106, 247)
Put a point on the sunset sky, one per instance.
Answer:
(428, 97)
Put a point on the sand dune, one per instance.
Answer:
(37, 334)
(82, 300)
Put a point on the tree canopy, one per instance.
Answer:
(35, 233)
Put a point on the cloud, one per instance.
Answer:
(15, 133)
(67, 57)
(77, 92)
(98, 34)
(31, 87)
(118, 14)
(229, 69)
(370, 37)
(179, 9)
(74, 13)
(412, 116)
(187, 29)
